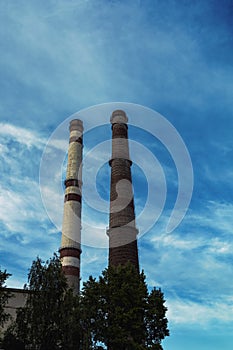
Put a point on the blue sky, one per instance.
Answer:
(174, 57)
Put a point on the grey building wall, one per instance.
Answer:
(17, 300)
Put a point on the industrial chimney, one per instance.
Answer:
(71, 229)
(122, 231)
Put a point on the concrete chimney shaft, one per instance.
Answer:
(71, 229)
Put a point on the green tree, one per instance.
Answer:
(115, 312)
(118, 311)
(4, 296)
(50, 318)
(156, 321)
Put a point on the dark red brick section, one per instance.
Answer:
(73, 197)
(71, 270)
(123, 254)
(72, 182)
(70, 252)
(119, 131)
(75, 139)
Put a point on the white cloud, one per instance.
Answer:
(20, 199)
(175, 241)
(29, 138)
(214, 216)
(190, 313)
(53, 204)
(193, 264)
(60, 144)
(19, 207)
(24, 136)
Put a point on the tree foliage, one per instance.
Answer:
(50, 318)
(119, 311)
(156, 322)
(116, 312)
(4, 296)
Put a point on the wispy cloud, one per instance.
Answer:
(25, 228)
(190, 313)
(20, 207)
(193, 265)
(23, 136)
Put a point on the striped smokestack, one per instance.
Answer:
(122, 231)
(71, 229)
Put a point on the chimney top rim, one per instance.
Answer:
(76, 124)
(119, 116)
